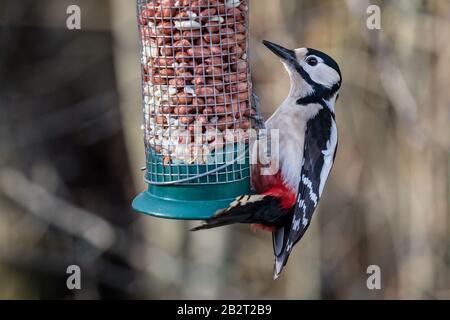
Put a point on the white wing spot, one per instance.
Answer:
(301, 204)
(312, 195)
(289, 246)
(296, 224)
(305, 221)
(328, 157)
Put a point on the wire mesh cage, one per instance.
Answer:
(196, 94)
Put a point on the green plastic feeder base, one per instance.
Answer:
(189, 202)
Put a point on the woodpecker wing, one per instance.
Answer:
(318, 156)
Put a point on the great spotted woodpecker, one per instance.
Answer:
(285, 201)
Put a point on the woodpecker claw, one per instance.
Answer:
(258, 118)
(259, 121)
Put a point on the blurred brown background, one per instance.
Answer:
(71, 149)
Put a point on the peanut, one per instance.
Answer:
(182, 44)
(212, 27)
(182, 57)
(241, 96)
(215, 82)
(211, 100)
(166, 160)
(249, 112)
(238, 37)
(245, 124)
(233, 77)
(166, 108)
(181, 15)
(201, 119)
(208, 13)
(147, 13)
(215, 50)
(243, 7)
(216, 62)
(199, 52)
(157, 80)
(192, 34)
(182, 110)
(187, 119)
(187, 76)
(220, 110)
(183, 67)
(212, 38)
(166, 72)
(157, 148)
(209, 111)
(161, 120)
(215, 72)
(163, 61)
(177, 36)
(228, 43)
(177, 82)
(221, 9)
(166, 51)
(198, 102)
(182, 98)
(165, 28)
(240, 28)
(237, 88)
(200, 69)
(236, 53)
(198, 81)
(162, 40)
(226, 32)
(236, 14)
(206, 91)
(225, 122)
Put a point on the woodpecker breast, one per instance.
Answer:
(290, 120)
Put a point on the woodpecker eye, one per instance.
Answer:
(311, 61)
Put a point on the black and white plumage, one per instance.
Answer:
(318, 155)
(308, 141)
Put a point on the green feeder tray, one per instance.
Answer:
(206, 188)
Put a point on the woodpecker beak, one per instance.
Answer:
(286, 55)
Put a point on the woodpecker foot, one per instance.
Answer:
(259, 119)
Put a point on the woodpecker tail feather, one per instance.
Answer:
(280, 237)
(260, 209)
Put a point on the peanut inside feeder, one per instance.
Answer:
(195, 77)
(196, 102)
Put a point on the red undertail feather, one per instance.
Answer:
(263, 211)
(286, 195)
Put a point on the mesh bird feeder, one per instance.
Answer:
(196, 92)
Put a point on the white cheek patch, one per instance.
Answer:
(321, 73)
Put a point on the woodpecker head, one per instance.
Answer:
(312, 72)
